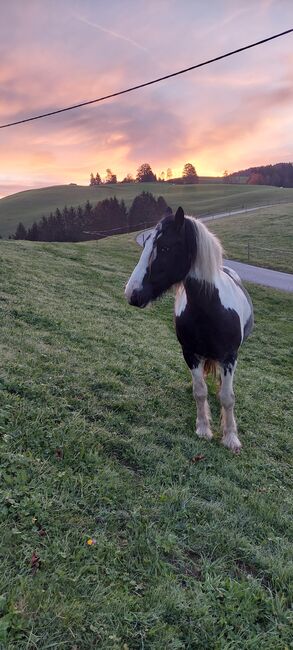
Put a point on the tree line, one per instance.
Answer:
(145, 174)
(279, 175)
(107, 217)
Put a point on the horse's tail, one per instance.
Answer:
(211, 368)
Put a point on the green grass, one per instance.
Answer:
(195, 199)
(268, 232)
(97, 424)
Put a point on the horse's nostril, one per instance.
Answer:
(134, 298)
(137, 299)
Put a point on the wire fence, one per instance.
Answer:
(208, 215)
(257, 254)
(252, 252)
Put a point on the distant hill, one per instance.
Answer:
(31, 205)
(279, 175)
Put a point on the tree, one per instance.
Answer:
(95, 180)
(145, 209)
(128, 179)
(256, 178)
(189, 174)
(169, 174)
(110, 216)
(162, 176)
(20, 232)
(110, 177)
(145, 174)
(33, 232)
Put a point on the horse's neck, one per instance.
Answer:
(193, 291)
(196, 287)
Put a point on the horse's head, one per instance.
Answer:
(165, 260)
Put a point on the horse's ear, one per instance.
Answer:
(179, 218)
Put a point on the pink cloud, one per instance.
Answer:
(216, 116)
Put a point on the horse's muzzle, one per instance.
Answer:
(138, 299)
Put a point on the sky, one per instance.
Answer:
(230, 115)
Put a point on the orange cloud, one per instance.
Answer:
(227, 115)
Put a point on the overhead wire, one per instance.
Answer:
(147, 83)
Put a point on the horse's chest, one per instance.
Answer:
(206, 328)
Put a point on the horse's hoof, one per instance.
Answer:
(203, 431)
(232, 442)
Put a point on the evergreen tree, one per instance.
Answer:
(107, 217)
(95, 180)
(33, 232)
(145, 210)
(20, 232)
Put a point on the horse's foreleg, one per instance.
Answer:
(200, 393)
(230, 438)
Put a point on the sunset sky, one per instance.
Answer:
(230, 115)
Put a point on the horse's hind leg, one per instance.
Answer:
(200, 393)
(230, 438)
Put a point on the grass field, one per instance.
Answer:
(268, 232)
(196, 199)
(97, 424)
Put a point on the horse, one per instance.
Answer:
(213, 310)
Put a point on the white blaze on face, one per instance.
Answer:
(136, 279)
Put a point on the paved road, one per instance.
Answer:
(247, 272)
(141, 237)
(259, 275)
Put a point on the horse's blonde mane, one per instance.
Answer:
(209, 255)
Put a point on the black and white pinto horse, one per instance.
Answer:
(213, 311)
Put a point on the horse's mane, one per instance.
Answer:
(208, 260)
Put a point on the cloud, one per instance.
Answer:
(119, 135)
(109, 32)
(223, 23)
(215, 116)
(261, 117)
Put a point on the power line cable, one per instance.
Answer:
(147, 83)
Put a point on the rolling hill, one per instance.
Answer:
(119, 527)
(263, 238)
(198, 199)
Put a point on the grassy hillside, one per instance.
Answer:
(196, 199)
(97, 424)
(268, 233)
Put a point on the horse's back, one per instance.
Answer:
(248, 315)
